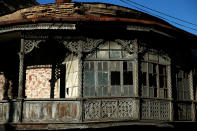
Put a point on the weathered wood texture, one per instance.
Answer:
(51, 111)
(9, 112)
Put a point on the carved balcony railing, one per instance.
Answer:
(183, 111)
(152, 109)
(111, 109)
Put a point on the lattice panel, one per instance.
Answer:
(155, 110)
(127, 109)
(111, 109)
(92, 110)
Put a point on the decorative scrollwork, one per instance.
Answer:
(91, 44)
(129, 45)
(92, 110)
(88, 45)
(29, 45)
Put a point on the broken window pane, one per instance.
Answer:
(152, 80)
(128, 78)
(144, 78)
(162, 69)
(115, 78)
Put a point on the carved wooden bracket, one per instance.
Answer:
(80, 46)
(29, 45)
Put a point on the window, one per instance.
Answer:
(154, 80)
(111, 73)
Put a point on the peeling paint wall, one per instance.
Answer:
(38, 81)
(71, 76)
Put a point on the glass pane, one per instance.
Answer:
(91, 66)
(115, 54)
(100, 91)
(105, 66)
(92, 91)
(115, 91)
(86, 91)
(126, 91)
(131, 92)
(102, 78)
(89, 79)
(100, 66)
(105, 91)
(145, 92)
(161, 93)
(128, 78)
(151, 92)
(115, 78)
(150, 68)
(114, 65)
(126, 54)
(114, 45)
(104, 46)
(102, 54)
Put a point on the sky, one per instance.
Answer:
(180, 13)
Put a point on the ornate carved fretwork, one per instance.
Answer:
(155, 110)
(91, 44)
(129, 45)
(92, 110)
(29, 45)
(111, 109)
(87, 45)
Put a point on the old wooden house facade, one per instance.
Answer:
(85, 65)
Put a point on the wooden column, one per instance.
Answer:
(21, 70)
(191, 89)
(80, 66)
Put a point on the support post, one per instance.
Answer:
(20, 82)
(21, 68)
(80, 66)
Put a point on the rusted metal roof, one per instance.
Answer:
(82, 12)
(79, 12)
